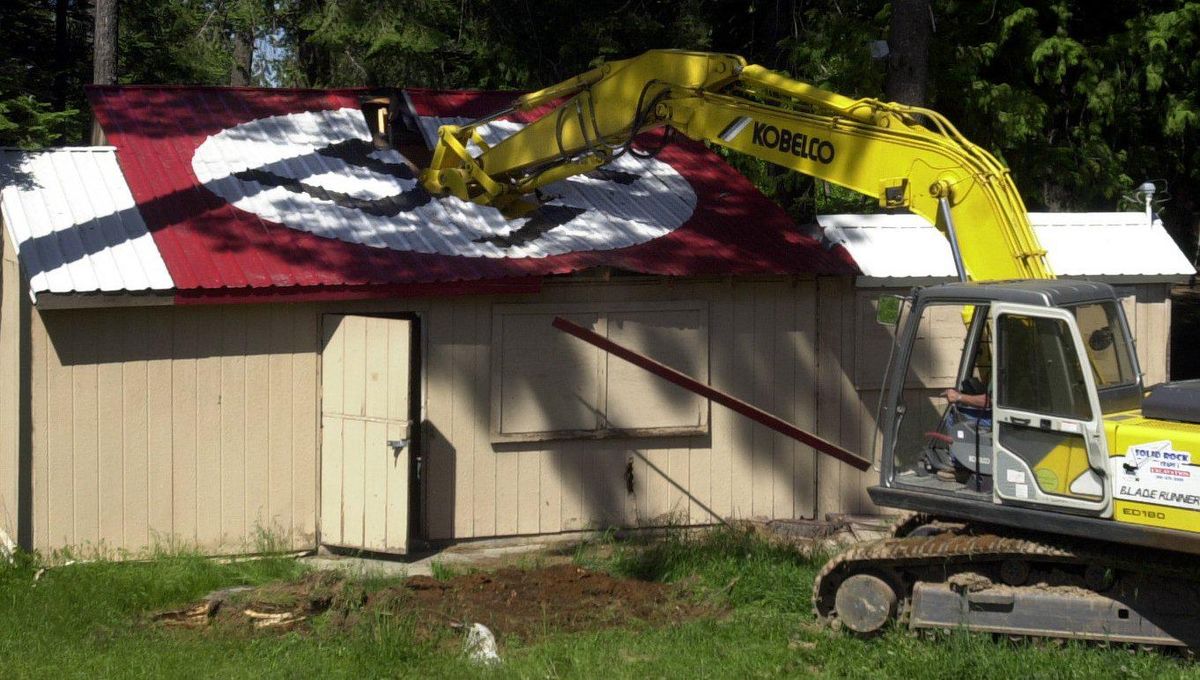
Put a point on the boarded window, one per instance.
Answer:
(549, 385)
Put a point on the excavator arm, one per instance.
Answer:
(907, 157)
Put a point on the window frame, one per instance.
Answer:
(1125, 337)
(1068, 342)
(603, 310)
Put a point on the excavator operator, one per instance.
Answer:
(972, 400)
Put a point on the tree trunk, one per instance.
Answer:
(104, 43)
(243, 57)
(61, 54)
(908, 53)
(104, 54)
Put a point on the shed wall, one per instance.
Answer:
(1148, 307)
(200, 424)
(13, 305)
(159, 424)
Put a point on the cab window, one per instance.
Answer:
(1105, 342)
(1038, 368)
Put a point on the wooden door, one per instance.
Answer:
(365, 388)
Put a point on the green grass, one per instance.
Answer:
(89, 620)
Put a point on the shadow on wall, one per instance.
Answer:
(762, 349)
(423, 466)
(766, 356)
(121, 335)
(764, 352)
(551, 383)
(1185, 330)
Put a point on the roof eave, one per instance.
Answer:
(147, 298)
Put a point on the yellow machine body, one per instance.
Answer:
(1152, 475)
(1154, 471)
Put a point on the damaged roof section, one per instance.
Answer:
(224, 195)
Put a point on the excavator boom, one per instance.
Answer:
(906, 157)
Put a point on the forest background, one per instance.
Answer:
(1083, 100)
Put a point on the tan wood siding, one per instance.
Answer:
(12, 298)
(1150, 322)
(158, 425)
(760, 336)
(200, 425)
(547, 385)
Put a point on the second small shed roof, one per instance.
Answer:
(1111, 246)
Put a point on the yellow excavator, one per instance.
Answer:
(1053, 496)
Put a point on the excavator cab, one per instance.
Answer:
(1061, 509)
(1052, 358)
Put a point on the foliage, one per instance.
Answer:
(29, 123)
(43, 72)
(190, 41)
(497, 44)
(173, 42)
(1082, 100)
(40, 95)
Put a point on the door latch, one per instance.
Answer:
(397, 445)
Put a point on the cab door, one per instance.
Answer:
(1049, 443)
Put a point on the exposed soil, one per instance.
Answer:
(527, 603)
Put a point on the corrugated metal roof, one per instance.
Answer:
(1109, 244)
(1103, 245)
(73, 220)
(272, 189)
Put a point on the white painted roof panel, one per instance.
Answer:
(73, 220)
(1094, 244)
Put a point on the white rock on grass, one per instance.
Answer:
(480, 645)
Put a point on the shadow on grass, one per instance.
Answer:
(730, 560)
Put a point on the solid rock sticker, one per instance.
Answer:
(1154, 472)
(317, 172)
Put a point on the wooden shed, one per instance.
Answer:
(242, 323)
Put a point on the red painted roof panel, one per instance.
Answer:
(274, 189)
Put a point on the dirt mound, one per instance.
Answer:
(527, 603)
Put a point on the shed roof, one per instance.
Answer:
(74, 223)
(1111, 246)
(246, 192)
(223, 194)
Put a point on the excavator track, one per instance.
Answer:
(994, 580)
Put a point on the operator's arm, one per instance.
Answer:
(875, 148)
(973, 400)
